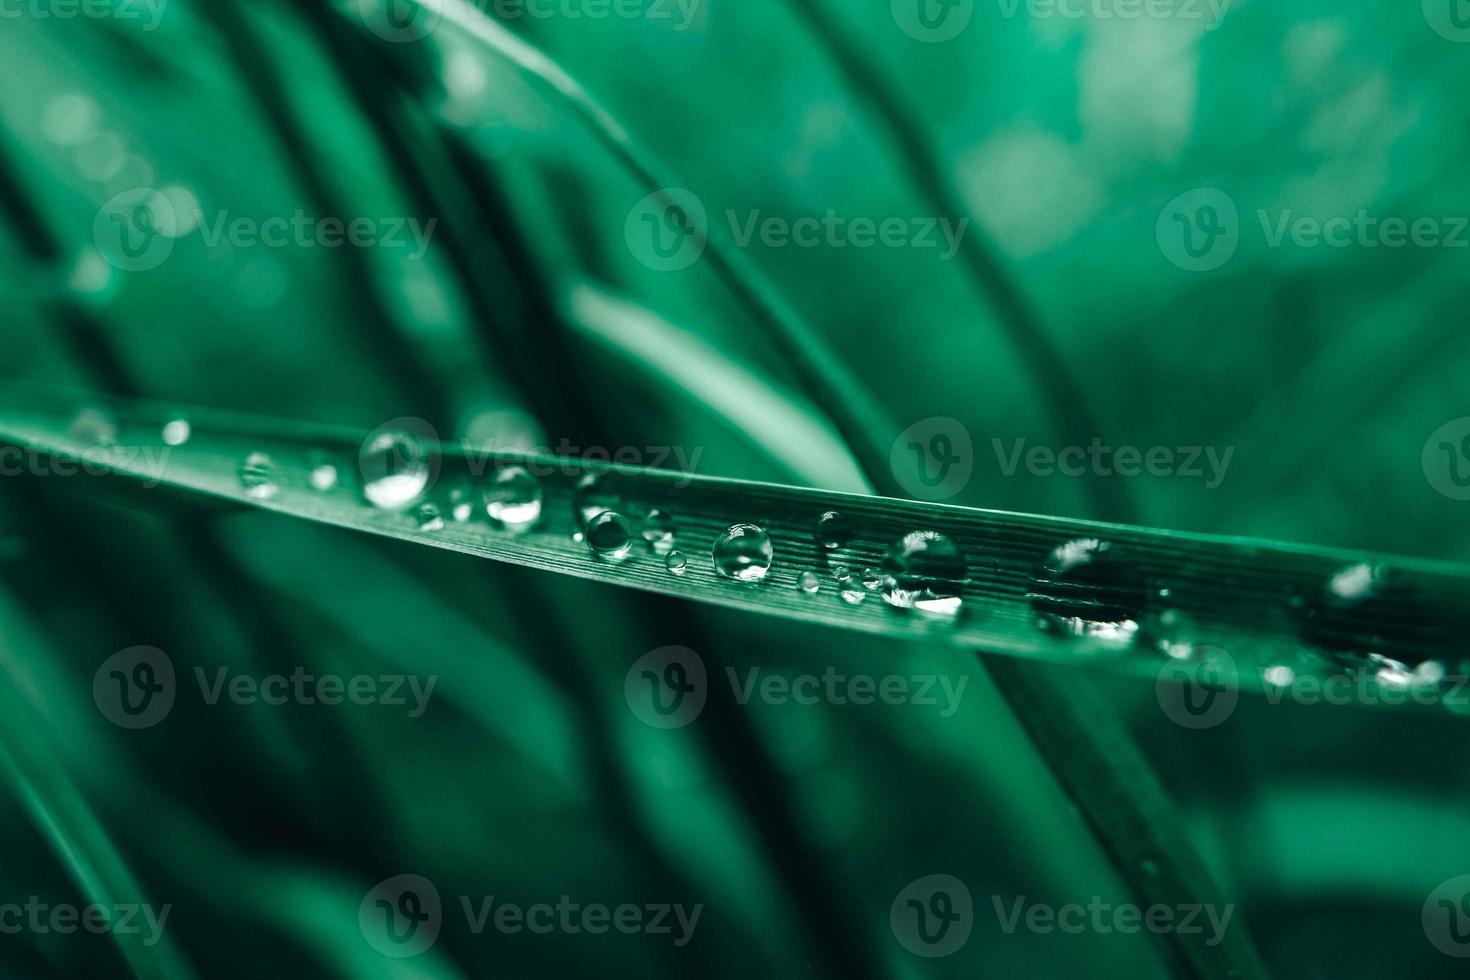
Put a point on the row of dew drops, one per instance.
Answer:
(1081, 591)
(924, 570)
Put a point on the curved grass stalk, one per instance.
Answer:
(1238, 594)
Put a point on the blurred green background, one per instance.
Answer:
(1068, 134)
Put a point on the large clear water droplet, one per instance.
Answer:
(395, 469)
(609, 535)
(832, 530)
(743, 552)
(924, 570)
(1086, 589)
(676, 562)
(514, 498)
(258, 476)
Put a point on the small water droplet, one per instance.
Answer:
(743, 552)
(323, 477)
(461, 503)
(1085, 589)
(808, 582)
(658, 531)
(871, 580)
(852, 596)
(514, 498)
(176, 432)
(94, 427)
(1279, 675)
(258, 477)
(429, 518)
(676, 562)
(833, 530)
(841, 574)
(595, 493)
(609, 535)
(924, 570)
(395, 469)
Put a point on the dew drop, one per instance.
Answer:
(658, 531)
(323, 477)
(832, 530)
(871, 580)
(429, 518)
(94, 427)
(924, 570)
(461, 503)
(852, 596)
(676, 562)
(841, 574)
(395, 469)
(1085, 589)
(808, 582)
(176, 432)
(743, 552)
(258, 477)
(514, 498)
(609, 535)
